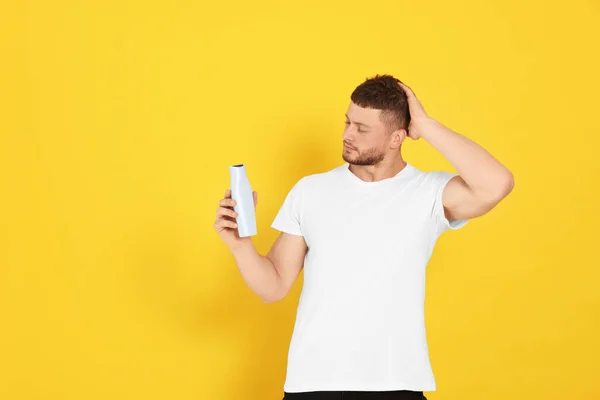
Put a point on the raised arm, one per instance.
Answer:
(482, 181)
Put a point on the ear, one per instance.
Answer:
(398, 137)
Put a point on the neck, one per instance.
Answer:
(387, 168)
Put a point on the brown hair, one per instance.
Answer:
(382, 92)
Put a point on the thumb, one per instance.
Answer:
(255, 197)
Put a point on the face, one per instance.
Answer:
(367, 141)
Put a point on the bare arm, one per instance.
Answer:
(272, 276)
(482, 182)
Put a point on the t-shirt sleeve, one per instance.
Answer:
(439, 180)
(288, 219)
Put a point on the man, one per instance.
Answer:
(364, 233)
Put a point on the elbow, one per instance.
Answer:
(272, 297)
(506, 184)
(502, 187)
(270, 300)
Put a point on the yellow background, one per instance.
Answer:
(118, 120)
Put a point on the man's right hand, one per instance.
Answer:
(270, 276)
(225, 224)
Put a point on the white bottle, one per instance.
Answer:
(241, 192)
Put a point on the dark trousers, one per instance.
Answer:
(391, 395)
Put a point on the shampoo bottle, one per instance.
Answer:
(241, 192)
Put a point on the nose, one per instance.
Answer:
(347, 136)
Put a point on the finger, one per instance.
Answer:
(408, 90)
(223, 224)
(226, 212)
(255, 197)
(228, 194)
(227, 203)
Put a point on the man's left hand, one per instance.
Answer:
(418, 116)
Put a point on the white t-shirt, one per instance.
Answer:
(360, 320)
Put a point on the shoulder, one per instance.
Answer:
(319, 180)
(439, 177)
(431, 183)
(433, 178)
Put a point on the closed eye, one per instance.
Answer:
(359, 127)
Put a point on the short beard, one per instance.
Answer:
(369, 157)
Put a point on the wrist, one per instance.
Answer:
(242, 246)
(426, 126)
